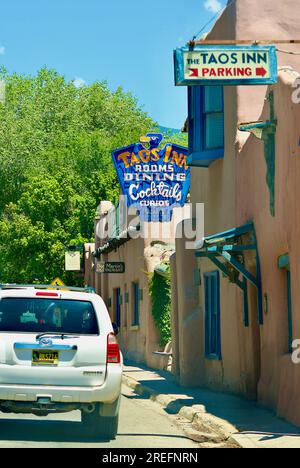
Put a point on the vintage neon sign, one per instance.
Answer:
(155, 180)
(225, 65)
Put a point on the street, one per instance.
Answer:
(143, 424)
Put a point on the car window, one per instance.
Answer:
(38, 315)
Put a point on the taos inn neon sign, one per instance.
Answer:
(153, 179)
(225, 65)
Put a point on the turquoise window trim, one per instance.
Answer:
(204, 158)
(118, 303)
(212, 316)
(199, 154)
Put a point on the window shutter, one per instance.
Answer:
(214, 131)
(212, 316)
(213, 99)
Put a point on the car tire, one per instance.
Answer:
(100, 427)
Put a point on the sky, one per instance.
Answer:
(127, 43)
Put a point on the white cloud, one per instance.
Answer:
(213, 5)
(2, 50)
(79, 82)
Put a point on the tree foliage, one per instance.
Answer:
(55, 167)
(160, 292)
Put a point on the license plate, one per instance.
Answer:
(45, 358)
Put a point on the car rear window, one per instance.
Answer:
(38, 315)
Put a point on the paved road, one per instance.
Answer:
(143, 424)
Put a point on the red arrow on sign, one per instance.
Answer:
(261, 72)
(195, 72)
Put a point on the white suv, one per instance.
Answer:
(59, 353)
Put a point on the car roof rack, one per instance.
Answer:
(86, 289)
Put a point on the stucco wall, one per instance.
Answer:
(141, 255)
(279, 382)
(89, 274)
(234, 191)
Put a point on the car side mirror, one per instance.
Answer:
(116, 328)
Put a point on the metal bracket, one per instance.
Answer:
(266, 131)
(232, 253)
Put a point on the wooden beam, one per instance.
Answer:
(244, 41)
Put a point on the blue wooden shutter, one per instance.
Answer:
(206, 125)
(136, 304)
(118, 307)
(212, 315)
(213, 117)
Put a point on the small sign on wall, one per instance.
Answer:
(110, 267)
(72, 261)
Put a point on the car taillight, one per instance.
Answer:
(113, 350)
(47, 294)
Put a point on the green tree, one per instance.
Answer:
(55, 167)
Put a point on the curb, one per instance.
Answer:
(206, 427)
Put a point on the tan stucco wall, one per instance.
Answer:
(279, 382)
(141, 255)
(137, 343)
(190, 316)
(215, 187)
(89, 275)
(234, 191)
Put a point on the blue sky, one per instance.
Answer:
(127, 43)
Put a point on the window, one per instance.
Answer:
(284, 264)
(206, 124)
(136, 304)
(118, 303)
(47, 315)
(125, 307)
(213, 117)
(212, 316)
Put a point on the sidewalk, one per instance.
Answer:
(216, 417)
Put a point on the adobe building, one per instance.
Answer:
(127, 294)
(236, 312)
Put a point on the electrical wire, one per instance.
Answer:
(289, 52)
(213, 18)
(219, 13)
